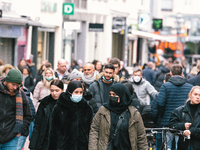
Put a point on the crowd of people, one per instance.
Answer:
(98, 106)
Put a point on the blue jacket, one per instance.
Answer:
(149, 75)
(172, 95)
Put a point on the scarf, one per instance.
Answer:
(18, 128)
(91, 79)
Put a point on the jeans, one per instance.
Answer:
(11, 145)
(158, 141)
(21, 142)
(31, 129)
(170, 138)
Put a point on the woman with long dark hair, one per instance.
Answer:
(39, 138)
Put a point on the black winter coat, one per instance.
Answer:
(29, 83)
(70, 124)
(160, 76)
(39, 138)
(195, 80)
(179, 117)
(8, 116)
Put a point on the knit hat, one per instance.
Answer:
(75, 74)
(14, 76)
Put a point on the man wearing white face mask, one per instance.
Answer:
(142, 87)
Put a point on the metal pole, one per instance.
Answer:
(126, 46)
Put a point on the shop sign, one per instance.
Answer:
(95, 27)
(68, 8)
(48, 6)
(10, 31)
(119, 23)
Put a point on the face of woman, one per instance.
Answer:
(48, 73)
(22, 63)
(98, 65)
(78, 91)
(55, 91)
(77, 79)
(195, 96)
(114, 95)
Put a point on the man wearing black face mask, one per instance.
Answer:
(142, 87)
(100, 88)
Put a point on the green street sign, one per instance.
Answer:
(68, 8)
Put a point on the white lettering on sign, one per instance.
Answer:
(68, 9)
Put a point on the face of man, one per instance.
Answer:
(117, 68)
(62, 67)
(138, 73)
(11, 86)
(88, 70)
(108, 73)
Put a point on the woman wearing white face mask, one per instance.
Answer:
(42, 88)
(71, 119)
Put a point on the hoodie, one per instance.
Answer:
(172, 95)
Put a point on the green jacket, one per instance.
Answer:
(100, 130)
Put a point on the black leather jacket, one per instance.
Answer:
(179, 117)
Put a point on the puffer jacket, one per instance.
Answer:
(172, 95)
(96, 89)
(179, 117)
(100, 130)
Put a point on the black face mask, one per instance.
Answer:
(114, 101)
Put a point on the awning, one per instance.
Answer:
(18, 21)
(148, 35)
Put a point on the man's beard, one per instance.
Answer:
(89, 76)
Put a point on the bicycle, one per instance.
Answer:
(150, 132)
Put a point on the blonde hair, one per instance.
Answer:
(193, 88)
(45, 82)
(194, 71)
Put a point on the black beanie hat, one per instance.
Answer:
(14, 76)
(73, 85)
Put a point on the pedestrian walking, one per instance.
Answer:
(39, 138)
(14, 110)
(71, 120)
(42, 88)
(186, 118)
(117, 124)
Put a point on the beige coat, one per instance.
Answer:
(100, 130)
(39, 93)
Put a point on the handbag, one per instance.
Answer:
(121, 118)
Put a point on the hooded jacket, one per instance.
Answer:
(172, 95)
(179, 117)
(100, 130)
(70, 124)
(160, 76)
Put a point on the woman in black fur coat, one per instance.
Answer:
(39, 138)
(71, 120)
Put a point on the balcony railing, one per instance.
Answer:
(81, 4)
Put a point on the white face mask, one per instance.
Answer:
(136, 78)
